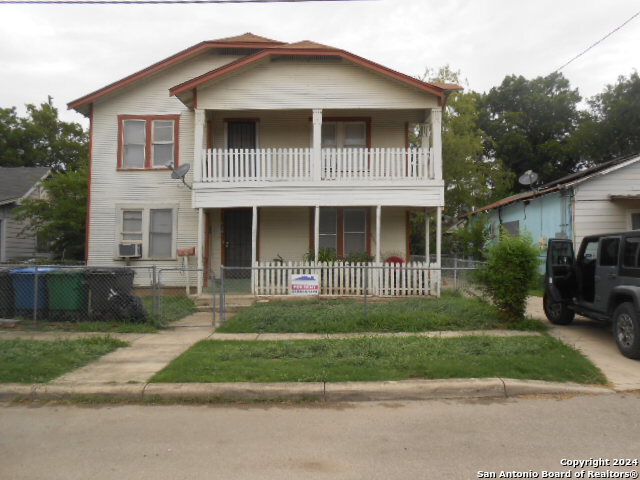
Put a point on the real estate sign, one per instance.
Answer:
(305, 284)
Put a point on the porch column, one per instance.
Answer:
(427, 239)
(254, 246)
(200, 251)
(198, 138)
(436, 141)
(317, 145)
(439, 245)
(378, 219)
(316, 234)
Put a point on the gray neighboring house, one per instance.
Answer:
(17, 184)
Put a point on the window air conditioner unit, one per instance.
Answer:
(130, 250)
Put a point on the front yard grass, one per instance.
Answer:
(35, 361)
(381, 358)
(450, 312)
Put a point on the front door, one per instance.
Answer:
(237, 241)
(606, 276)
(559, 274)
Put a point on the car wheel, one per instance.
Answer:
(557, 312)
(626, 330)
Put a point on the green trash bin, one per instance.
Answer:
(67, 293)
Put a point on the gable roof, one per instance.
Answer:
(17, 182)
(264, 48)
(563, 182)
(308, 48)
(246, 40)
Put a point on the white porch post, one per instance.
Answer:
(439, 245)
(378, 226)
(427, 239)
(200, 251)
(316, 234)
(436, 141)
(316, 153)
(254, 246)
(198, 138)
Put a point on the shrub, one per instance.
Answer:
(507, 275)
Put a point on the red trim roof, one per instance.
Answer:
(310, 49)
(265, 47)
(247, 40)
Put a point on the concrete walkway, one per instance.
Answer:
(595, 341)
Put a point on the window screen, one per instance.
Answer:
(160, 233)
(132, 225)
(609, 251)
(134, 140)
(635, 221)
(162, 143)
(328, 228)
(512, 228)
(355, 224)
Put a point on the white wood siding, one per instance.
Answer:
(393, 238)
(305, 85)
(110, 187)
(594, 212)
(14, 246)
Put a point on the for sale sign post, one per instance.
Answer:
(304, 284)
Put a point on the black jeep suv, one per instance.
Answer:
(602, 283)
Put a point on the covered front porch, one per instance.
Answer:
(266, 244)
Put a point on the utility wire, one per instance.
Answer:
(156, 2)
(598, 42)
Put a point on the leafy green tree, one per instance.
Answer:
(529, 124)
(611, 128)
(41, 139)
(59, 218)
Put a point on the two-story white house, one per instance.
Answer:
(293, 148)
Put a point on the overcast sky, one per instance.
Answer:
(67, 51)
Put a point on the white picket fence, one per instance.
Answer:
(295, 164)
(348, 278)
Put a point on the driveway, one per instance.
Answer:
(596, 341)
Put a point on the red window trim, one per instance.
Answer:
(147, 155)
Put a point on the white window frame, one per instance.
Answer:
(146, 226)
(630, 219)
(155, 142)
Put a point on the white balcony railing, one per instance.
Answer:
(336, 164)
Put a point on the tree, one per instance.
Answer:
(59, 218)
(611, 128)
(529, 124)
(41, 139)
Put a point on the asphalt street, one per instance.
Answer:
(437, 439)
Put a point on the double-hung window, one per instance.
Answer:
(348, 134)
(148, 141)
(343, 230)
(153, 228)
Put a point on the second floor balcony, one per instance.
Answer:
(328, 165)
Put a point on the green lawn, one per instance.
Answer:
(34, 361)
(450, 312)
(383, 358)
(171, 308)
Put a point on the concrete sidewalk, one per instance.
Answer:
(125, 372)
(595, 341)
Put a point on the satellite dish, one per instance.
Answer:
(528, 178)
(180, 172)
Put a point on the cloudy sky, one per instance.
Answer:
(67, 51)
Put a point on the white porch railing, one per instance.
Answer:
(295, 164)
(376, 163)
(251, 165)
(349, 279)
